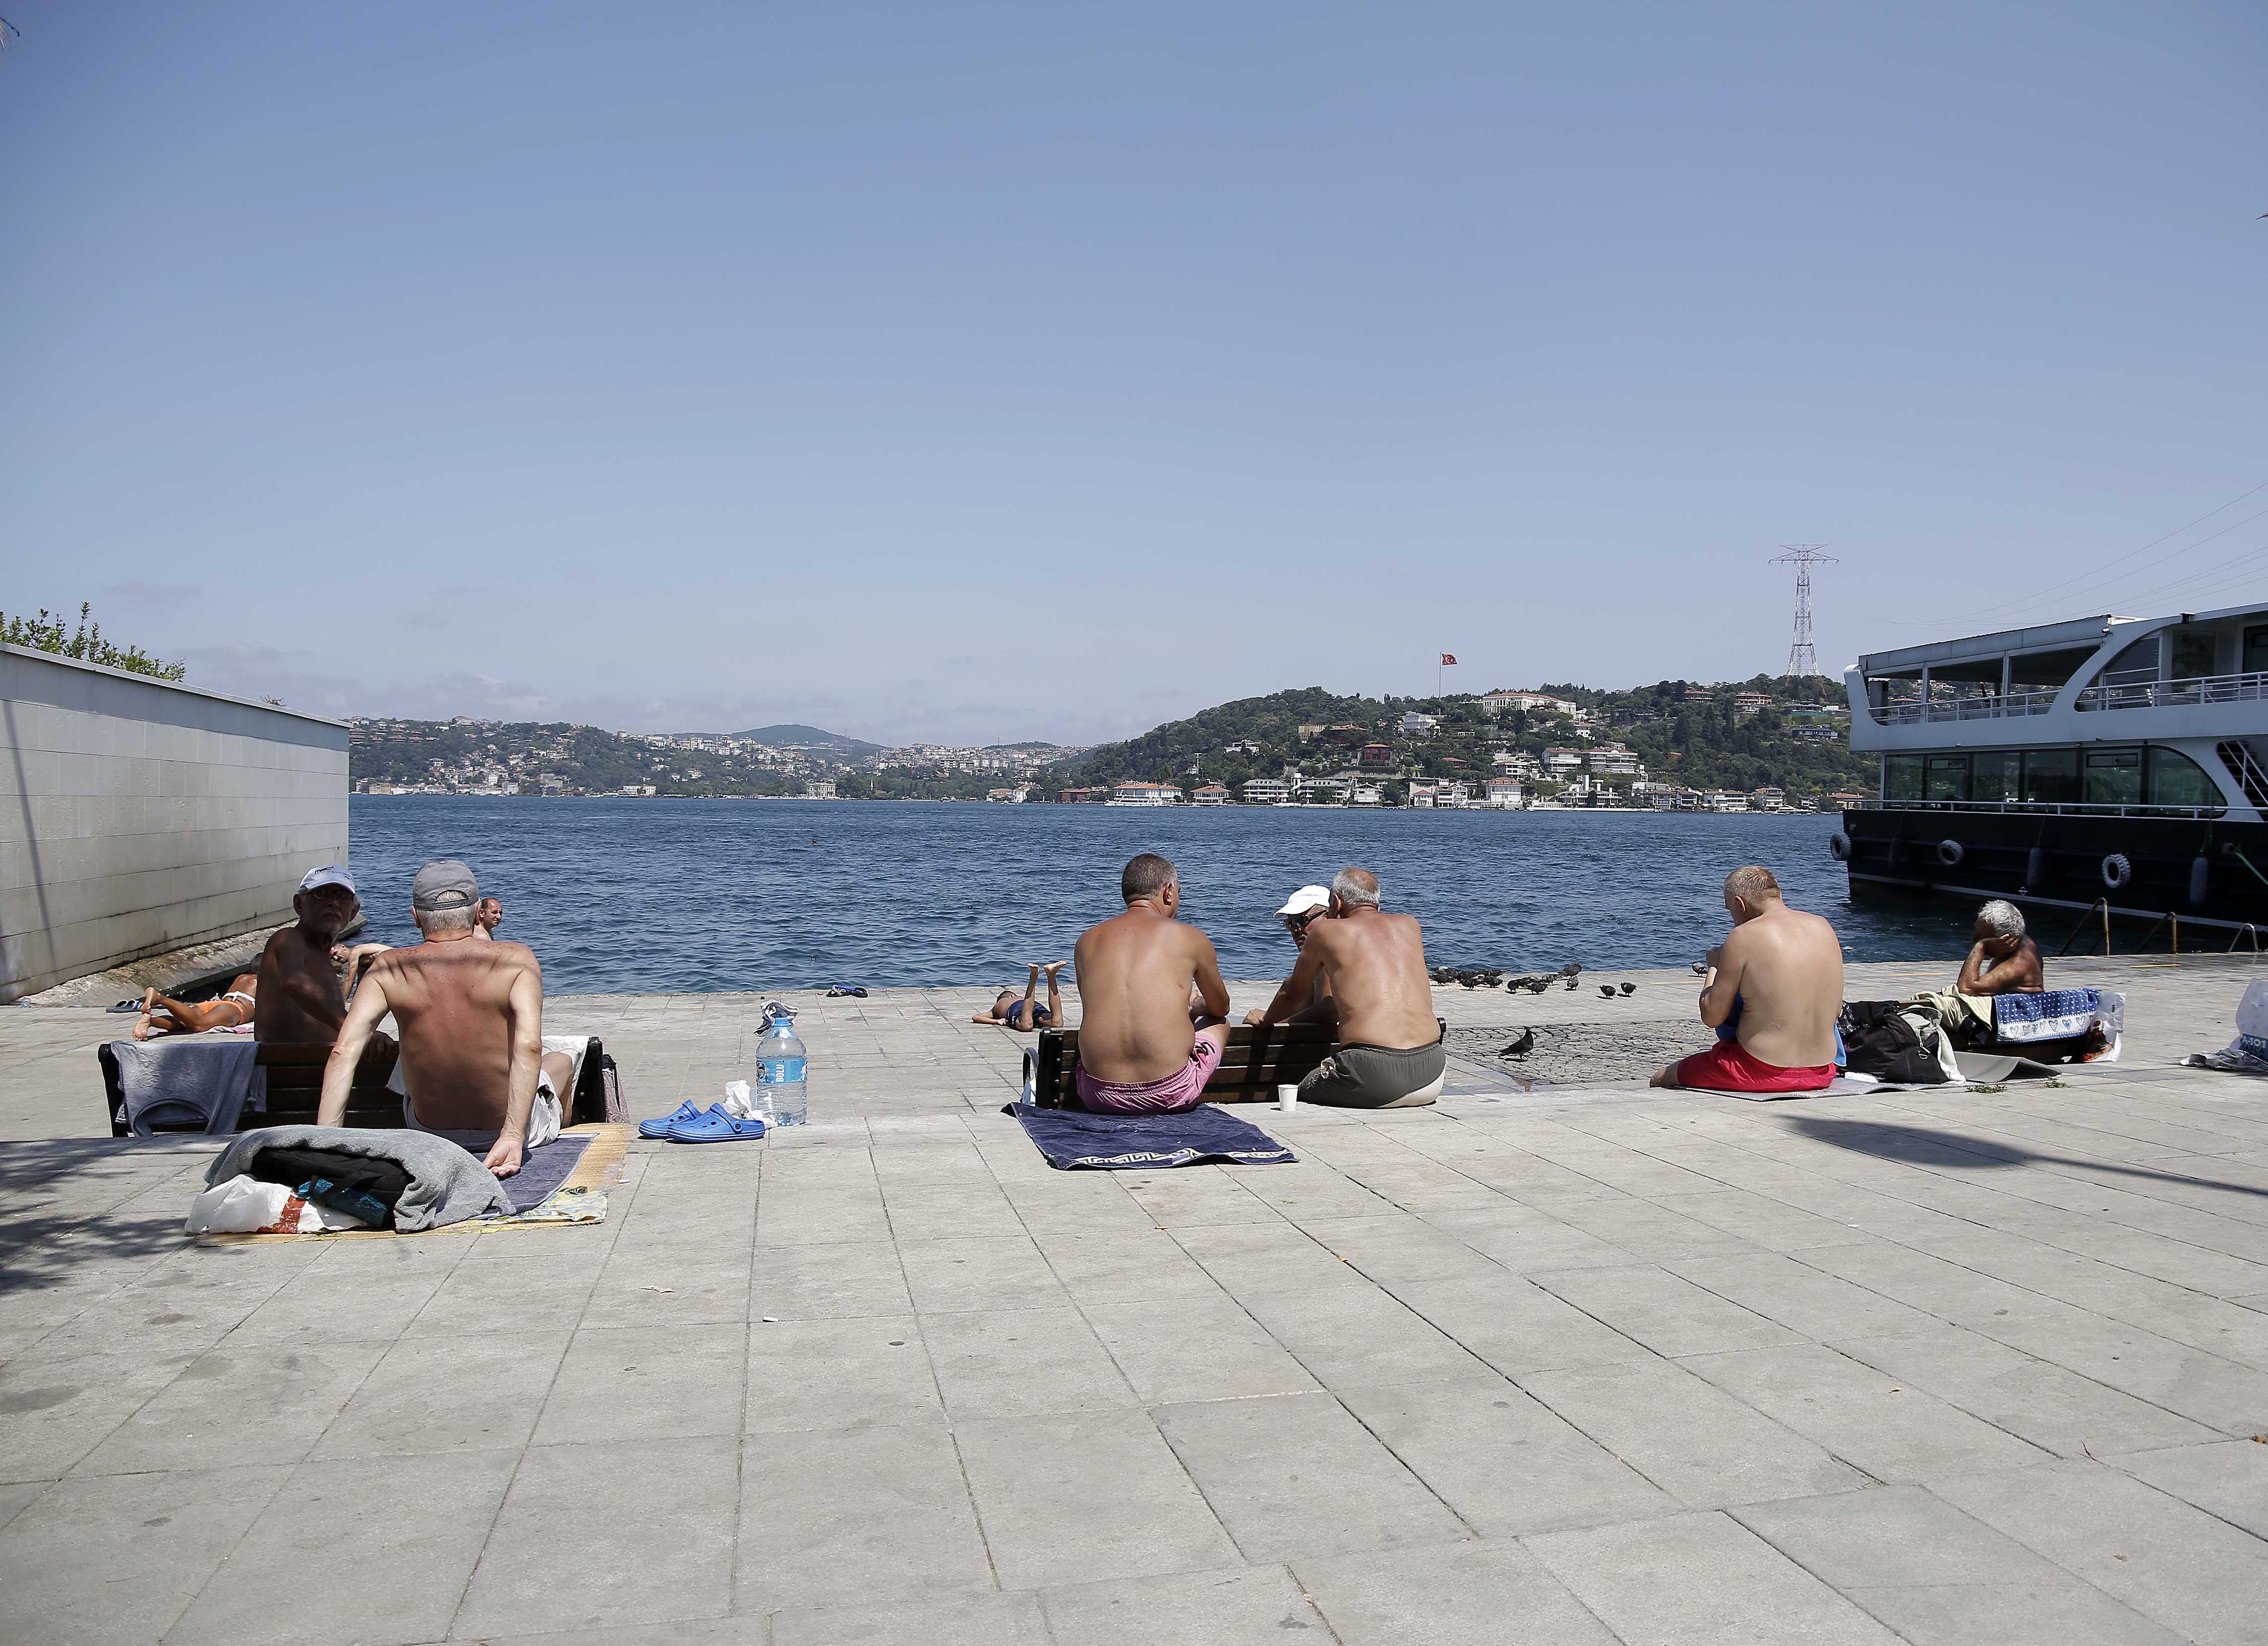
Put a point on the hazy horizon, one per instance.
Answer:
(989, 374)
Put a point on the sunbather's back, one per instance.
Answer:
(452, 1003)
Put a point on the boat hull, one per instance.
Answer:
(2050, 861)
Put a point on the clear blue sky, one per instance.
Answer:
(984, 373)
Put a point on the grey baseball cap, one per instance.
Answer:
(444, 883)
(328, 875)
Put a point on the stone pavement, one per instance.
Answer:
(1561, 1366)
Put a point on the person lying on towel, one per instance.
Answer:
(1143, 1047)
(1027, 1016)
(162, 1014)
(1782, 971)
(473, 1068)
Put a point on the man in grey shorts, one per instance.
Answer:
(1389, 1052)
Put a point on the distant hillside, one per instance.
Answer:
(1693, 735)
(810, 737)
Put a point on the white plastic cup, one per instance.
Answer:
(1287, 1098)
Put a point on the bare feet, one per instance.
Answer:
(1053, 967)
(142, 1029)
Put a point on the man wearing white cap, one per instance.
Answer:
(1301, 909)
(299, 999)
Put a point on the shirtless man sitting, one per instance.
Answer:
(1389, 1052)
(2002, 959)
(1781, 971)
(1143, 1047)
(1300, 910)
(298, 1000)
(473, 1068)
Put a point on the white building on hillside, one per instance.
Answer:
(1209, 795)
(1266, 791)
(1418, 725)
(1505, 794)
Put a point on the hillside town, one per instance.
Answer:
(1763, 745)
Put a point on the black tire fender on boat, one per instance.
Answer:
(2116, 871)
(1838, 847)
(2036, 868)
(2200, 879)
(1950, 852)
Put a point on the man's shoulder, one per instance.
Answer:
(284, 941)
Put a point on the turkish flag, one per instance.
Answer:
(1448, 660)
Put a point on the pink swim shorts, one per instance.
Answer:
(1183, 1088)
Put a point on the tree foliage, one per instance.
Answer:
(52, 634)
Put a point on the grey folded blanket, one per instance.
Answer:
(196, 1078)
(446, 1185)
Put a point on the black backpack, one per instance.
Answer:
(1877, 1041)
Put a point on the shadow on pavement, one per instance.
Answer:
(1918, 1146)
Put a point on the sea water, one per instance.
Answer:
(655, 896)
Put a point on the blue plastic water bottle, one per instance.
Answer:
(781, 1068)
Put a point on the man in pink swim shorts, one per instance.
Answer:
(1146, 1046)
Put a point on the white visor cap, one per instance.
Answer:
(1304, 900)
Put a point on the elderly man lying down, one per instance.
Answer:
(471, 1068)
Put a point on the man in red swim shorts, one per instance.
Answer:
(1779, 977)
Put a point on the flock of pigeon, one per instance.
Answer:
(1535, 982)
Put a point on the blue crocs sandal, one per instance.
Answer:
(715, 1127)
(660, 1128)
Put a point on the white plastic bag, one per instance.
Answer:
(238, 1206)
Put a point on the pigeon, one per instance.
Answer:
(1570, 968)
(1630, 988)
(1700, 968)
(1571, 986)
(1606, 991)
(1520, 1047)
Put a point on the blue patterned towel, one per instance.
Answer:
(2054, 1015)
(1071, 1139)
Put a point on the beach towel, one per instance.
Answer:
(1072, 1140)
(188, 1080)
(2055, 1014)
(446, 1185)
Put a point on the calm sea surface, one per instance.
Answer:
(687, 895)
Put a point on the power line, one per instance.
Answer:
(1802, 660)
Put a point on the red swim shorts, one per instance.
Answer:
(1183, 1088)
(1726, 1066)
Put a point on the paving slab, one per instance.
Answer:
(1458, 1594)
(1701, 1580)
(1239, 1607)
(1298, 1475)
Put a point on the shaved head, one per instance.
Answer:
(1753, 885)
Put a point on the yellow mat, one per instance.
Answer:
(584, 1190)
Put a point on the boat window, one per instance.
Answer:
(2052, 775)
(1997, 774)
(1946, 778)
(2048, 671)
(2193, 655)
(2178, 780)
(2255, 650)
(1900, 777)
(2114, 777)
(1886, 690)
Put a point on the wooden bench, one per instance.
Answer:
(295, 1088)
(1253, 1065)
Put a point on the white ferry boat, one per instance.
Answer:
(2117, 760)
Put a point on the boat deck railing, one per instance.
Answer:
(2045, 808)
(2141, 689)
(1983, 706)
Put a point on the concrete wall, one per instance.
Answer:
(137, 817)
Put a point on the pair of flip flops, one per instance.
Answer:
(842, 989)
(691, 1124)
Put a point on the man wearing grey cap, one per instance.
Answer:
(470, 1012)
